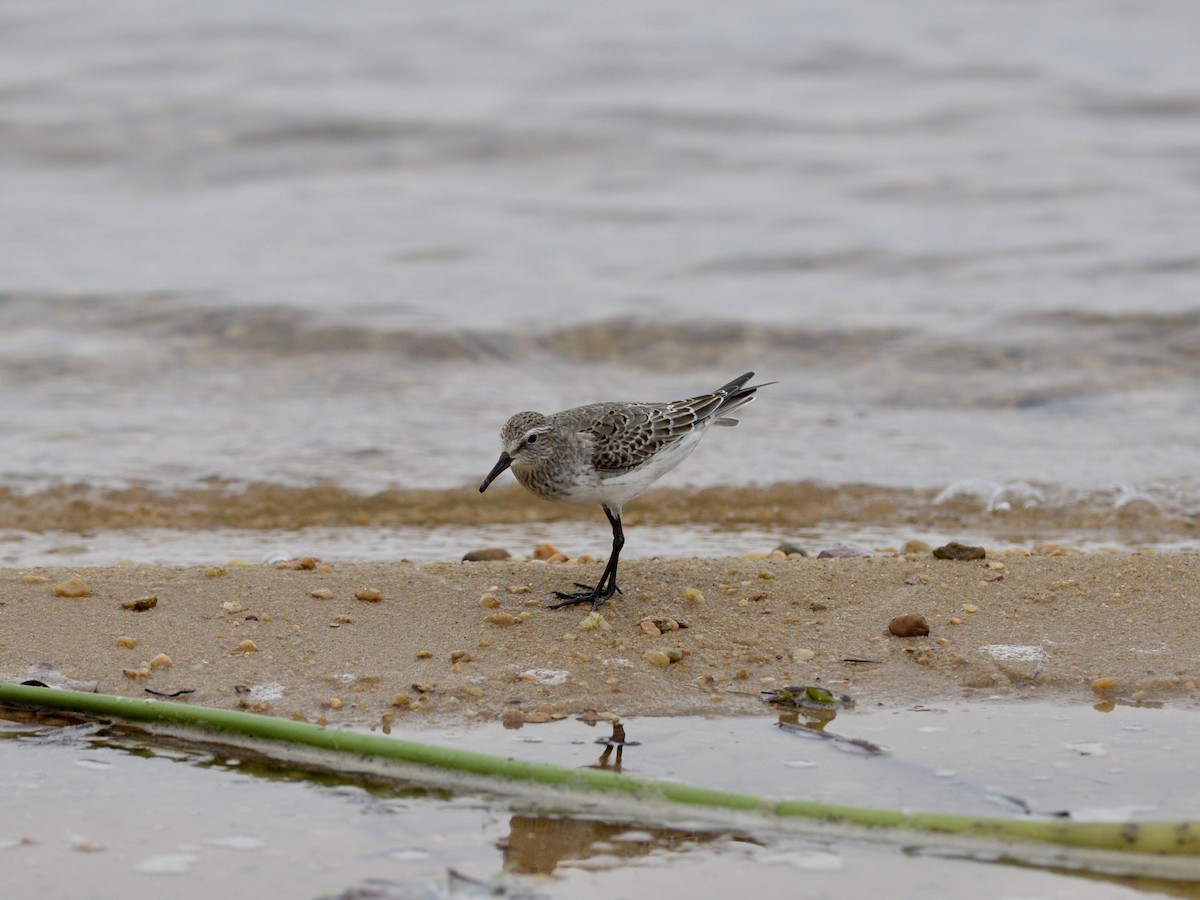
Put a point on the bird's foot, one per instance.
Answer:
(597, 596)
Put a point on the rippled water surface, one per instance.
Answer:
(299, 243)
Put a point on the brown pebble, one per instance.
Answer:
(424, 654)
(955, 550)
(247, 646)
(649, 628)
(461, 656)
(489, 601)
(127, 642)
(911, 625)
(368, 595)
(558, 559)
(503, 619)
(915, 546)
(303, 562)
(162, 661)
(141, 605)
(544, 552)
(1104, 685)
(137, 674)
(488, 554)
(72, 587)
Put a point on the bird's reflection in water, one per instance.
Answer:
(538, 844)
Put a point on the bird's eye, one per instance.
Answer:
(532, 439)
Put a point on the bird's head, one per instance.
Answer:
(525, 438)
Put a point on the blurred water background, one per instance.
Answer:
(305, 243)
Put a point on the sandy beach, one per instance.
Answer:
(473, 640)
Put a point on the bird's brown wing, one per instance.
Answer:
(628, 435)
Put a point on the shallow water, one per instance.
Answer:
(289, 244)
(111, 812)
(217, 546)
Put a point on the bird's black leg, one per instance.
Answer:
(607, 585)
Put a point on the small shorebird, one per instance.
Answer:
(609, 453)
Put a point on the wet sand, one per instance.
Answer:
(1095, 627)
(782, 506)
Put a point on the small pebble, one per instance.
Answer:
(335, 703)
(789, 549)
(657, 658)
(368, 595)
(1104, 685)
(649, 628)
(915, 546)
(424, 654)
(593, 621)
(692, 595)
(127, 642)
(303, 562)
(247, 646)
(956, 621)
(322, 594)
(72, 587)
(141, 605)
(232, 606)
(911, 625)
(803, 654)
(34, 579)
(502, 619)
(461, 656)
(970, 608)
(489, 554)
(544, 552)
(843, 551)
(955, 550)
(215, 571)
(137, 674)
(489, 601)
(162, 661)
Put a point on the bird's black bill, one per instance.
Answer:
(503, 463)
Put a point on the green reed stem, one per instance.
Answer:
(1175, 838)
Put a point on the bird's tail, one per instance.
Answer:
(734, 396)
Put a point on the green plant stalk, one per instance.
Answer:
(1175, 838)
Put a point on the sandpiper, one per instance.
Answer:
(609, 453)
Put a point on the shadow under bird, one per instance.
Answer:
(607, 454)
